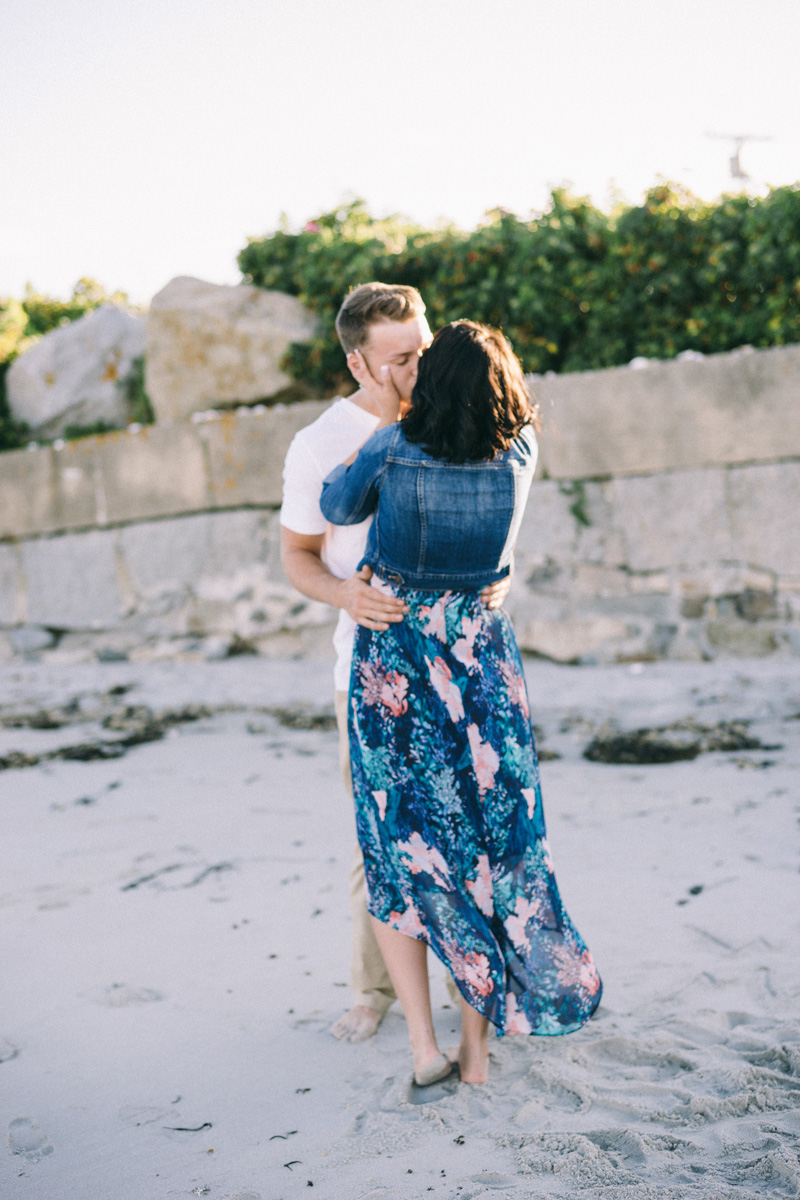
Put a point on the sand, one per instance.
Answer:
(174, 936)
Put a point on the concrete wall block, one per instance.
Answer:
(262, 607)
(10, 585)
(165, 557)
(553, 528)
(713, 580)
(764, 503)
(79, 500)
(688, 645)
(650, 583)
(727, 408)
(545, 579)
(246, 452)
(238, 586)
(548, 529)
(791, 606)
(7, 650)
(591, 580)
(27, 493)
(270, 527)
(71, 581)
(600, 638)
(675, 519)
(524, 606)
(239, 538)
(741, 638)
(167, 616)
(655, 607)
(159, 471)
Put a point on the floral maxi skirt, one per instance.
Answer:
(449, 812)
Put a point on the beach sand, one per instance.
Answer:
(174, 939)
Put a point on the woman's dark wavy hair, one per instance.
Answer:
(469, 401)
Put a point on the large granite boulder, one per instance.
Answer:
(73, 375)
(209, 344)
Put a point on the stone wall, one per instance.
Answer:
(678, 564)
(214, 461)
(165, 541)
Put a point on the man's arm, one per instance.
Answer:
(301, 556)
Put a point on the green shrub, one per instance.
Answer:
(573, 288)
(140, 410)
(45, 313)
(73, 433)
(13, 433)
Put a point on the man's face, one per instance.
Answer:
(398, 346)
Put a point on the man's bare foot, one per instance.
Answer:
(473, 1062)
(357, 1025)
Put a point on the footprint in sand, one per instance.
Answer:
(26, 1139)
(433, 1092)
(492, 1181)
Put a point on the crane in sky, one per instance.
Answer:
(737, 170)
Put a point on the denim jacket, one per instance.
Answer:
(438, 525)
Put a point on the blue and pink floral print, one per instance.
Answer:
(449, 812)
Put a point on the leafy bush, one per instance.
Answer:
(140, 410)
(13, 433)
(45, 313)
(573, 288)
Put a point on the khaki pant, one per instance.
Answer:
(369, 978)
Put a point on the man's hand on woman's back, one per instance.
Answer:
(368, 606)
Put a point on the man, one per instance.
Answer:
(383, 331)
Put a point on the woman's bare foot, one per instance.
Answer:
(437, 1069)
(357, 1025)
(473, 1062)
(472, 1054)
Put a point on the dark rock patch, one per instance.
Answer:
(303, 716)
(680, 742)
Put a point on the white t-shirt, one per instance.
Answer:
(313, 454)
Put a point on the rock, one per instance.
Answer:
(71, 581)
(569, 641)
(693, 607)
(741, 638)
(30, 638)
(686, 647)
(72, 375)
(6, 648)
(209, 345)
(113, 645)
(9, 584)
(756, 605)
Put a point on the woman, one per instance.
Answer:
(448, 804)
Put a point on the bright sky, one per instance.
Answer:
(143, 139)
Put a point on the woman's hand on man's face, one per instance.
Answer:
(382, 391)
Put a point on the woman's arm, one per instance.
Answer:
(350, 493)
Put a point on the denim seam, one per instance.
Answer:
(423, 523)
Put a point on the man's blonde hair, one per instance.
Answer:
(372, 303)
